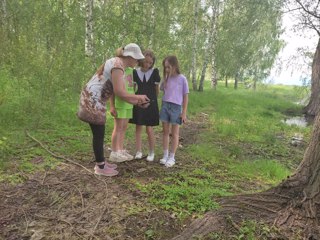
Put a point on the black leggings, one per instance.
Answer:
(97, 141)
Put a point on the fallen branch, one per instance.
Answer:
(96, 225)
(57, 156)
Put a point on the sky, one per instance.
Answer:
(291, 74)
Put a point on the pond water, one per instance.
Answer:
(299, 121)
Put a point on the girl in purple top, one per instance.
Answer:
(174, 107)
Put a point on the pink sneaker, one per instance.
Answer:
(108, 172)
(111, 165)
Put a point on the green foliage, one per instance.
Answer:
(184, 194)
(270, 171)
(248, 38)
(251, 230)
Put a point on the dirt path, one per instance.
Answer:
(71, 203)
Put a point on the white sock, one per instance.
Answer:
(165, 153)
(171, 155)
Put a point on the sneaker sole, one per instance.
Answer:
(163, 163)
(117, 160)
(106, 175)
(168, 166)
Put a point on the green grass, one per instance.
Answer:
(244, 142)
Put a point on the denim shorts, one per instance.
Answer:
(170, 112)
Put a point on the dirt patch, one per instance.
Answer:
(72, 203)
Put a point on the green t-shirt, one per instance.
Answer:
(128, 79)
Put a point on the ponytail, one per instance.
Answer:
(100, 70)
(119, 52)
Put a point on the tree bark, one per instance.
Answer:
(89, 31)
(217, 10)
(4, 11)
(194, 47)
(152, 23)
(210, 46)
(236, 79)
(312, 108)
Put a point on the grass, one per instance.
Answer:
(244, 142)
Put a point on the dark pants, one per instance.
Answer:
(97, 141)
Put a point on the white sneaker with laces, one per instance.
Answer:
(170, 162)
(126, 155)
(117, 157)
(163, 160)
(138, 155)
(150, 157)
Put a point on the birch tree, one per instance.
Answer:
(217, 9)
(89, 49)
(247, 28)
(210, 46)
(194, 47)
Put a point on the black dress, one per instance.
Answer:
(146, 116)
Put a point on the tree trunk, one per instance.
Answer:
(312, 109)
(205, 63)
(307, 175)
(236, 79)
(214, 80)
(89, 31)
(194, 48)
(4, 11)
(216, 13)
(226, 82)
(255, 80)
(152, 24)
(210, 45)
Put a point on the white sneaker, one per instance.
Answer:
(117, 157)
(163, 160)
(170, 162)
(150, 157)
(138, 155)
(126, 155)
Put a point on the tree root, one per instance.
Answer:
(276, 210)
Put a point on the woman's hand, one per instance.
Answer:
(144, 105)
(113, 111)
(143, 100)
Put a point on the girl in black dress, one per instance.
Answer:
(146, 79)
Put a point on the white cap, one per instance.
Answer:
(133, 50)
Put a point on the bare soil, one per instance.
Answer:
(70, 202)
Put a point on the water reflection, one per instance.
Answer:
(299, 121)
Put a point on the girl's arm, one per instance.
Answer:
(184, 108)
(113, 110)
(120, 91)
